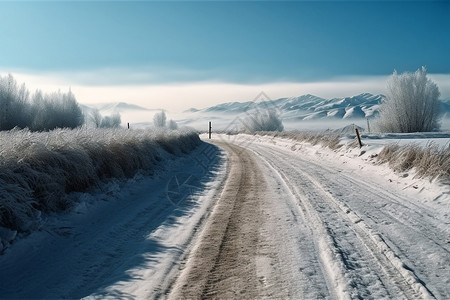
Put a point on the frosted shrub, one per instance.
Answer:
(172, 125)
(411, 104)
(267, 120)
(39, 169)
(98, 121)
(112, 121)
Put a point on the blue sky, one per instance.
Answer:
(100, 44)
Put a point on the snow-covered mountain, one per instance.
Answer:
(308, 107)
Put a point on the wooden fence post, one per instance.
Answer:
(209, 130)
(358, 137)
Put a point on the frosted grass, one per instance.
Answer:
(430, 161)
(39, 169)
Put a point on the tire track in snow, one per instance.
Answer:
(415, 233)
(379, 209)
(312, 193)
(255, 244)
(311, 241)
(204, 275)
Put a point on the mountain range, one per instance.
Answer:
(310, 107)
(293, 110)
(306, 107)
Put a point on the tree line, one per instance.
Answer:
(43, 112)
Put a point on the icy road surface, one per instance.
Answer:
(269, 221)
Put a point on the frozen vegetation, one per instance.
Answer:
(43, 112)
(431, 160)
(321, 210)
(38, 170)
(411, 104)
(263, 120)
(99, 121)
(39, 111)
(160, 121)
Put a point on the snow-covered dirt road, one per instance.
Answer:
(287, 226)
(121, 242)
(260, 218)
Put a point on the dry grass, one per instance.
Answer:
(431, 162)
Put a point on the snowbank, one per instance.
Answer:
(414, 163)
(427, 153)
(39, 170)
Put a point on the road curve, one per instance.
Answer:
(284, 228)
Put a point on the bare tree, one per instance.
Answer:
(411, 104)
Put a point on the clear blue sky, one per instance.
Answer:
(227, 41)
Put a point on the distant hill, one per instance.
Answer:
(118, 107)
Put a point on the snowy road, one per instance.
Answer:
(268, 222)
(122, 242)
(287, 226)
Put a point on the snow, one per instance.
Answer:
(119, 236)
(362, 225)
(363, 161)
(404, 218)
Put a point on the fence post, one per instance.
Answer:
(358, 137)
(209, 130)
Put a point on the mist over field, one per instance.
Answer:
(333, 114)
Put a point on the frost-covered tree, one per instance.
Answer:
(112, 121)
(14, 106)
(266, 120)
(172, 125)
(411, 103)
(159, 119)
(42, 112)
(95, 117)
(56, 110)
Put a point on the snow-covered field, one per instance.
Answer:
(348, 227)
